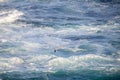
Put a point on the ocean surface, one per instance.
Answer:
(59, 39)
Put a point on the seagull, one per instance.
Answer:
(57, 48)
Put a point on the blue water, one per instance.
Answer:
(59, 40)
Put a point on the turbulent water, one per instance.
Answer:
(84, 33)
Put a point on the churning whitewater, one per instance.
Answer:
(59, 40)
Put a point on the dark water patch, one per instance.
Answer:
(62, 75)
(108, 1)
(23, 76)
(115, 44)
(7, 45)
(35, 23)
(105, 0)
(93, 14)
(89, 37)
(61, 13)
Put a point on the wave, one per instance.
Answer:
(51, 63)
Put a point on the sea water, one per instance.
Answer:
(84, 33)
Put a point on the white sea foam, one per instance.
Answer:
(9, 64)
(36, 38)
(82, 30)
(3, 40)
(30, 46)
(16, 60)
(3, 0)
(5, 66)
(52, 62)
(12, 60)
(53, 38)
(41, 58)
(78, 61)
(9, 16)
